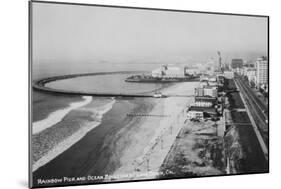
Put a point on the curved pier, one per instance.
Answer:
(40, 85)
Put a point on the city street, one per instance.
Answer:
(257, 108)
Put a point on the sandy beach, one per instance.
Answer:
(95, 153)
(122, 145)
(152, 137)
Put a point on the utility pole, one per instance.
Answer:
(147, 163)
(161, 140)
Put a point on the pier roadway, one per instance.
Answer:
(41, 86)
(179, 95)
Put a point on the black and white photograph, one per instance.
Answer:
(121, 94)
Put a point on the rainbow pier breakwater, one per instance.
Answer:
(40, 85)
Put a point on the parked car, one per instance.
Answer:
(159, 95)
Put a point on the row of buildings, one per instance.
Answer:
(166, 71)
(206, 100)
(256, 72)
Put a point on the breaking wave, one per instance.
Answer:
(58, 115)
(98, 113)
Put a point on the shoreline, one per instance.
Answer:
(71, 136)
(54, 120)
(104, 149)
(43, 104)
(94, 153)
(56, 116)
(145, 157)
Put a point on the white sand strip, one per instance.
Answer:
(144, 158)
(58, 115)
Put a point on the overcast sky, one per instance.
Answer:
(67, 33)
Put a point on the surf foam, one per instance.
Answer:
(58, 115)
(68, 142)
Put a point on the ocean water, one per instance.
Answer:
(57, 116)
(113, 83)
(43, 104)
(64, 127)
(84, 135)
(60, 121)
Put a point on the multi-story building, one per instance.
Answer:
(262, 71)
(157, 73)
(237, 65)
(251, 74)
(210, 91)
(168, 71)
(228, 74)
(174, 72)
(191, 70)
(199, 92)
(206, 100)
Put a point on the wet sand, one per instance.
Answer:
(112, 147)
(152, 138)
(94, 154)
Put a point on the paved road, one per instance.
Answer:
(258, 109)
(260, 103)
